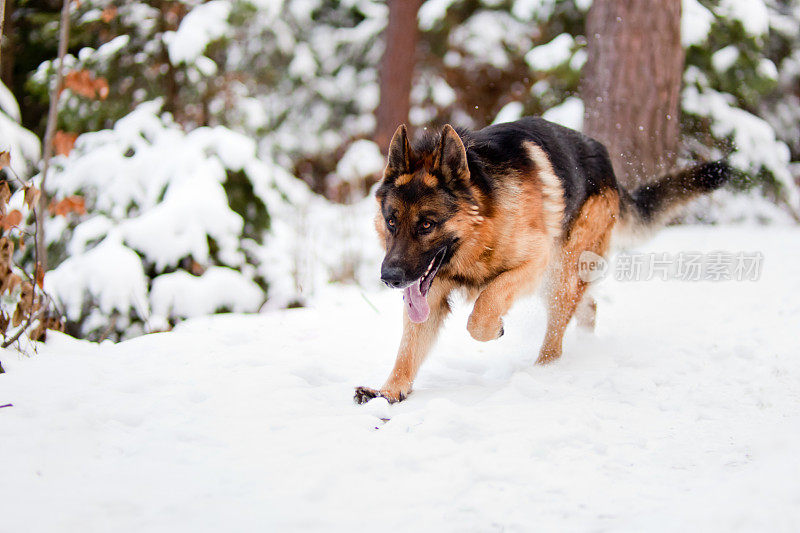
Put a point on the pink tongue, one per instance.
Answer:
(416, 303)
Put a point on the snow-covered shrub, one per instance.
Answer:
(22, 145)
(160, 202)
(184, 224)
(307, 76)
(298, 76)
(489, 54)
(26, 312)
(141, 51)
(734, 99)
(754, 142)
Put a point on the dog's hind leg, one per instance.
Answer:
(586, 312)
(591, 231)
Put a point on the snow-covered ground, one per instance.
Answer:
(682, 413)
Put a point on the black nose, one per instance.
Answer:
(393, 277)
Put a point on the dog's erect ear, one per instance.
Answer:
(451, 158)
(398, 152)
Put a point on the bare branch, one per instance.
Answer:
(44, 298)
(52, 116)
(24, 327)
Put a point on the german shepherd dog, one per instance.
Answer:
(496, 213)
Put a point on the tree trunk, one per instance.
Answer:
(631, 84)
(397, 69)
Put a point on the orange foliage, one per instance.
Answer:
(11, 220)
(64, 141)
(68, 205)
(82, 82)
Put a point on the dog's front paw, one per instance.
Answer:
(485, 327)
(365, 394)
(393, 396)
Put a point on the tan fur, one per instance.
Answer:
(429, 180)
(591, 231)
(552, 192)
(521, 232)
(586, 313)
(417, 341)
(402, 179)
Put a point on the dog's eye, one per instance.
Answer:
(390, 222)
(426, 225)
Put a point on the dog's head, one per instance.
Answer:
(421, 191)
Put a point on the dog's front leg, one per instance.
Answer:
(417, 341)
(486, 321)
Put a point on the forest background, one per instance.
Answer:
(218, 156)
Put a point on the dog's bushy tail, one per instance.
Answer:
(650, 206)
